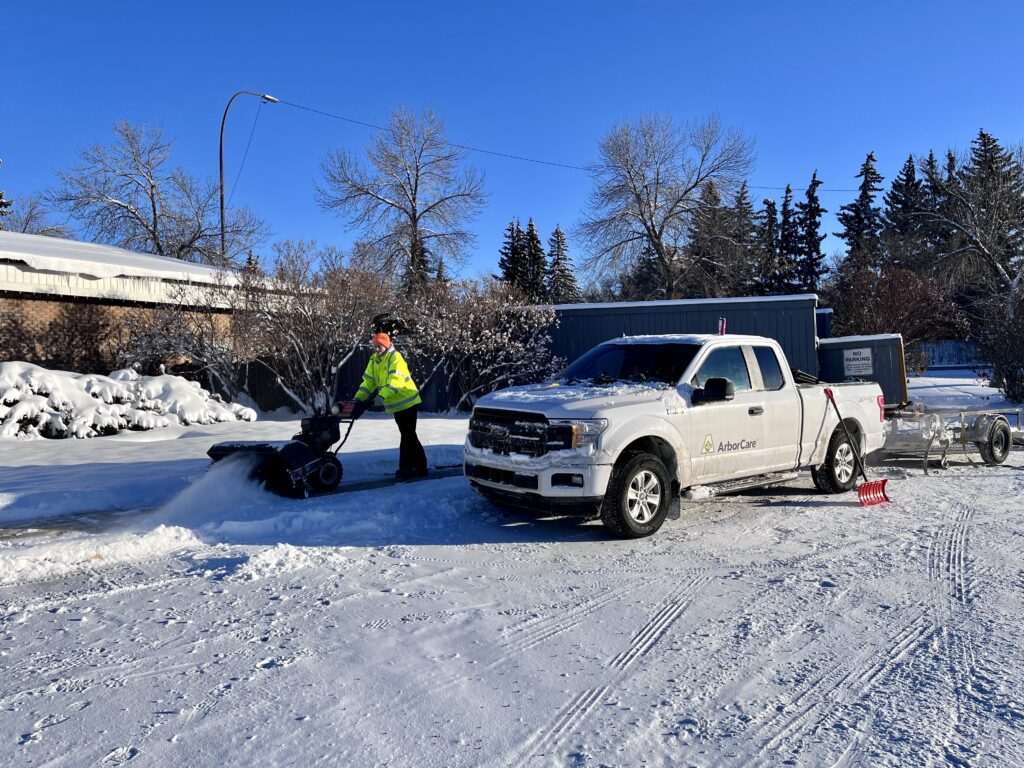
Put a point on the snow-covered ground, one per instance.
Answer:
(157, 613)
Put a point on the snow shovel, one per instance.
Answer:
(870, 492)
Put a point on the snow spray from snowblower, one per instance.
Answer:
(870, 492)
(305, 465)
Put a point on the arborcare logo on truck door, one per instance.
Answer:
(727, 446)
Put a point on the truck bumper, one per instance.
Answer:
(548, 488)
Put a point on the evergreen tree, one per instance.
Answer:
(903, 227)
(766, 247)
(743, 236)
(417, 271)
(937, 233)
(442, 272)
(810, 261)
(707, 252)
(5, 206)
(511, 261)
(536, 263)
(252, 264)
(952, 167)
(784, 277)
(862, 223)
(646, 280)
(562, 285)
(992, 186)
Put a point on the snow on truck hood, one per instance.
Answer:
(578, 401)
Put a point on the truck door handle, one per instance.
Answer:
(755, 410)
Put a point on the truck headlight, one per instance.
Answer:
(584, 431)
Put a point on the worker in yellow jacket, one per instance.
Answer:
(388, 375)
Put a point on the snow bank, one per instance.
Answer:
(85, 553)
(35, 401)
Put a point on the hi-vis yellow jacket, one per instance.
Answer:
(389, 374)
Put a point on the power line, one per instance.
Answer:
(450, 143)
(508, 155)
(245, 154)
(783, 189)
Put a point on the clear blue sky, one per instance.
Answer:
(816, 84)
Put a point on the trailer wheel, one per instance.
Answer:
(638, 496)
(839, 472)
(328, 475)
(996, 445)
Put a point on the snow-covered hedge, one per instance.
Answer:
(36, 401)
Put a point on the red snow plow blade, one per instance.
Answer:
(870, 492)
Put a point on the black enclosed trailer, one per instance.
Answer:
(790, 320)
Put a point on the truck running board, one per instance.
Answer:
(700, 492)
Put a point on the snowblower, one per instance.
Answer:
(305, 465)
(870, 492)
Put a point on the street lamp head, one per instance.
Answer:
(271, 99)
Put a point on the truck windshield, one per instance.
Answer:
(662, 363)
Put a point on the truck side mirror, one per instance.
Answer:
(716, 390)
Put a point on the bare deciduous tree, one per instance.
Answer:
(480, 337)
(647, 186)
(31, 216)
(309, 315)
(414, 200)
(128, 195)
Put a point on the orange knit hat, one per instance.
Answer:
(381, 338)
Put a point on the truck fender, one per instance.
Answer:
(832, 425)
(646, 428)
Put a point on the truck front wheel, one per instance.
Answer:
(638, 496)
(839, 472)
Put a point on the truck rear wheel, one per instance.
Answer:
(839, 472)
(996, 445)
(638, 496)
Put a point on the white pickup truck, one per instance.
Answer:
(638, 421)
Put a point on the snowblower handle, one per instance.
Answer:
(346, 409)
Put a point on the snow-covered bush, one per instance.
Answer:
(35, 401)
(480, 336)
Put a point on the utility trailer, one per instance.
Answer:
(916, 430)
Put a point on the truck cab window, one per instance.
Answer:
(771, 373)
(725, 363)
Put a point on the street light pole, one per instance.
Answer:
(264, 97)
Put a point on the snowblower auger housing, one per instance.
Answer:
(300, 467)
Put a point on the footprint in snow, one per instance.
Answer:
(120, 756)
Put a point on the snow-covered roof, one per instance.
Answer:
(51, 254)
(687, 338)
(685, 302)
(837, 340)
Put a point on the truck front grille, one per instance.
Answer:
(502, 476)
(508, 432)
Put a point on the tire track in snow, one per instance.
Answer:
(824, 698)
(535, 631)
(973, 688)
(565, 721)
(947, 560)
(649, 634)
(546, 741)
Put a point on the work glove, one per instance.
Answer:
(350, 409)
(359, 408)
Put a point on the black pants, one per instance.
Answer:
(410, 452)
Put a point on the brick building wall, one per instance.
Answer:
(70, 333)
